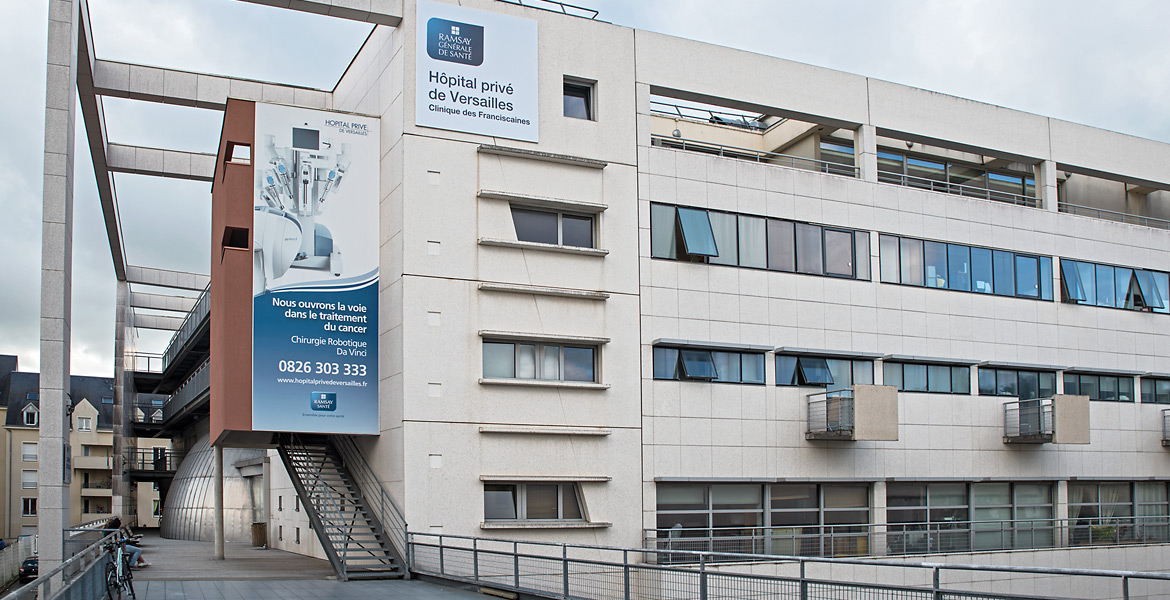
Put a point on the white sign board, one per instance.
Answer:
(476, 72)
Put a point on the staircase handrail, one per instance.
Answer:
(386, 510)
(294, 443)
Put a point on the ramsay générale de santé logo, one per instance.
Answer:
(455, 42)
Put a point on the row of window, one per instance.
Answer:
(697, 364)
(916, 262)
(1115, 287)
(551, 227)
(532, 502)
(722, 238)
(536, 361)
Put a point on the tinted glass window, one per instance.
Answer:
(1027, 282)
(1006, 383)
(665, 363)
(814, 371)
(935, 259)
(1088, 281)
(1070, 280)
(781, 245)
(726, 366)
(578, 364)
(888, 259)
(753, 368)
(753, 242)
(724, 226)
(698, 364)
(697, 236)
(499, 360)
(911, 260)
(577, 101)
(959, 267)
(839, 253)
(914, 378)
(663, 242)
(1045, 278)
(861, 262)
(1005, 278)
(577, 231)
(808, 249)
(981, 270)
(892, 374)
(961, 380)
(535, 226)
(1123, 279)
(1029, 382)
(1105, 295)
(986, 381)
(938, 378)
(785, 370)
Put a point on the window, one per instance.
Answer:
(107, 399)
(1022, 384)
(924, 263)
(280, 533)
(156, 508)
(297, 503)
(32, 396)
(1114, 287)
(721, 238)
(28, 451)
(578, 99)
(28, 507)
(561, 229)
(708, 365)
(30, 415)
(298, 540)
(832, 373)
(1105, 388)
(28, 479)
(1104, 512)
(544, 362)
(913, 509)
(84, 424)
(280, 503)
(816, 520)
(920, 377)
(531, 502)
(1155, 391)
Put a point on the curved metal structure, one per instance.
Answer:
(188, 513)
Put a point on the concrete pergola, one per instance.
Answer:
(74, 74)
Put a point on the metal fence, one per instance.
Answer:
(191, 324)
(80, 577)
(14, 554)
(893, 539)
(158, 460)
(945, 187)
(196, 385)
(1028, 420)
(830, 414)
(144, 362)
(1110, 215)
(760, 156)
(607, 573)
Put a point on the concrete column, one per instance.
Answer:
(865, 151)
(1061, 535)
(54, 466)
(218, 452)
(877, 538)
(1046, 185)
(123, 402)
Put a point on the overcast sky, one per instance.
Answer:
(1093, 62)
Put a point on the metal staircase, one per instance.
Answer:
(350, 532)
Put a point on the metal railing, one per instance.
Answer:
(897, 539)
(144, 362)
(957, 188)
(377, 498)
(610, 573)
(14, 554)
(830, 414)
(1166, 426)
(80, 577)
(145, 408)
(191, 323)
(706, 115)
(1110, 215)
(760, 156)
(558, 7)
(159, 460)
(1028, 420)
(195, 386)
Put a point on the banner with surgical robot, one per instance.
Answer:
(476, 72)
(315, 272)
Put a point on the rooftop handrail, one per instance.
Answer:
(560, 7)
(575, 570)
(1028, 418)
(1112, 215)
(960, 189)
(191, 322)
(707, 115)
(145, 362)
(153, 459)
(760, 156)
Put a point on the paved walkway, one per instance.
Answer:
(183, 570)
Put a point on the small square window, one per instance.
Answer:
(578, 102)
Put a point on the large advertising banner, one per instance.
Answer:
(476, 72)
(315, 272)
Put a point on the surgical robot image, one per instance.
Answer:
(294, 190)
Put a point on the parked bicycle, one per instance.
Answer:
(118, 574)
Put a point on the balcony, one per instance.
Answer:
(192, 324)
(1061, 419)
(864, 412)
(194, 388)
(945, 187)
(156, 460)
(143, 362)
(760, 156)
(99, 489)
(1110, 215)
(101, 463)
(1166, 427)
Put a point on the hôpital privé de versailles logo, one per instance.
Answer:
(455, 42)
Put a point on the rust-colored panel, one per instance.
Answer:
(231, 278)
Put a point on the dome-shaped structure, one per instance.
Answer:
(188, 513)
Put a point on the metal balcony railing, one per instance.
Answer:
(956, 188)
(771, 158)
(897, 539)
(1028, 421)
(706, 115)
(190, 325)
(95, 485)
(195, 386)
(148, 408)
(158, 460)
(830, 415)
(1109, 215)
(1166, 427)
(558, 7)
(144, 362)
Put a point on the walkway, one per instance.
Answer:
(183, 570)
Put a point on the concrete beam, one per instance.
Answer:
(160, 322)
(95, 132)
(179, 280)
(200, 90)
(380, 12)
(176, 164)
(180, 304)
